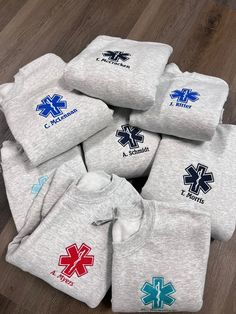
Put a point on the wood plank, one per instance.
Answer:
(8, 9)
(8, 307)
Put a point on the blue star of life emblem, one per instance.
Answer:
(37, 187)
(130, 135)
(116, 55)
(157, 293)
(184, 95)
(198, 179)
(51, 105)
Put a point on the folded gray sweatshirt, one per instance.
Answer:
(162, 266)
(121, 149)
(188, 105)
(121, 72)
(44, 115)
(199, 173)
(68, 245)
(23, 181)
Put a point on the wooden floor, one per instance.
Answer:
(203, 34)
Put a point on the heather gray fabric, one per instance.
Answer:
(162, 267)
(44, 115)
(199, 173)
(67, 225)
(23, 181)
(121, 149)
(121, 72)
(188, 105)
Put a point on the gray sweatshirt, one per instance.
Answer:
(44, 115)
(188, 105)
(162, 266)
(120, 148)
(122, 72)
(199, 173)
(23, 181)
(63, 245)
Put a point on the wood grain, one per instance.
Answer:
(203, 35)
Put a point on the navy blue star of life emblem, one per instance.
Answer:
(116, 55)
(130, 135)
(51, 105)
(184, 95)
(198, 179)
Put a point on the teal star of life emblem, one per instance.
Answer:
(157, 293)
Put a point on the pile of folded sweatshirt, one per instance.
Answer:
(84, 132)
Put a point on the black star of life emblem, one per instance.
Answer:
(198, 178)
(116, 55)
(130, 135)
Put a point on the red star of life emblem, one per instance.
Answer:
(76, 260)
